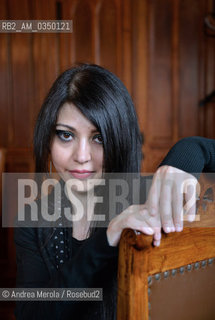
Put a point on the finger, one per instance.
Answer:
(190, 200)
(145, 225)
(157, 237)
(154, 195)
(150, 224)
(153, 222)
(165, 207)
(157, 234)
(177, 207)
(156, 243)
(137, 219)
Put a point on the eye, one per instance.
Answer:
(64, 135)
(98, 138)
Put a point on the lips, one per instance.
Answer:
(81, 174)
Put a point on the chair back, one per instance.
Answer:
(173, 281)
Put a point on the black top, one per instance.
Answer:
(193, 155)
(76, 244)
(89, 263)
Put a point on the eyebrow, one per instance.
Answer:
(72, 128)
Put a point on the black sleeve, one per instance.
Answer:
(86, 270)
(192, 154)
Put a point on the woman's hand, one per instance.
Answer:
(171, 199)
(135, 217)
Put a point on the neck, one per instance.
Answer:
(83, 209)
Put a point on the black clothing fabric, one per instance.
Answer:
(90, 263)
(192, 154)
(92, 266)
(49, 257)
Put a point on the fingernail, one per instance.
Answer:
(156, 243)
(178, 228)
(167, 229)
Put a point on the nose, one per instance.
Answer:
(82, 152)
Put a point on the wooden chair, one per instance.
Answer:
(173, 281)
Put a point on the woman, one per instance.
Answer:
(87, 126)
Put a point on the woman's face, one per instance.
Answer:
(77, 146)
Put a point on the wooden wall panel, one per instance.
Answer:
(21, 90)
(66, 40)
(140, 55)
(83, 32)
(125, 45)
(45, 55)
(190, 34)
(179, 64)
(159, 128)
(208, 128)
(209, 108)
(5, 96)
(108, 35)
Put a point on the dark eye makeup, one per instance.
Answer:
(64, 135)
(67, 136)
(98, 138)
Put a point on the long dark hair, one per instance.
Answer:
(104, 100)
